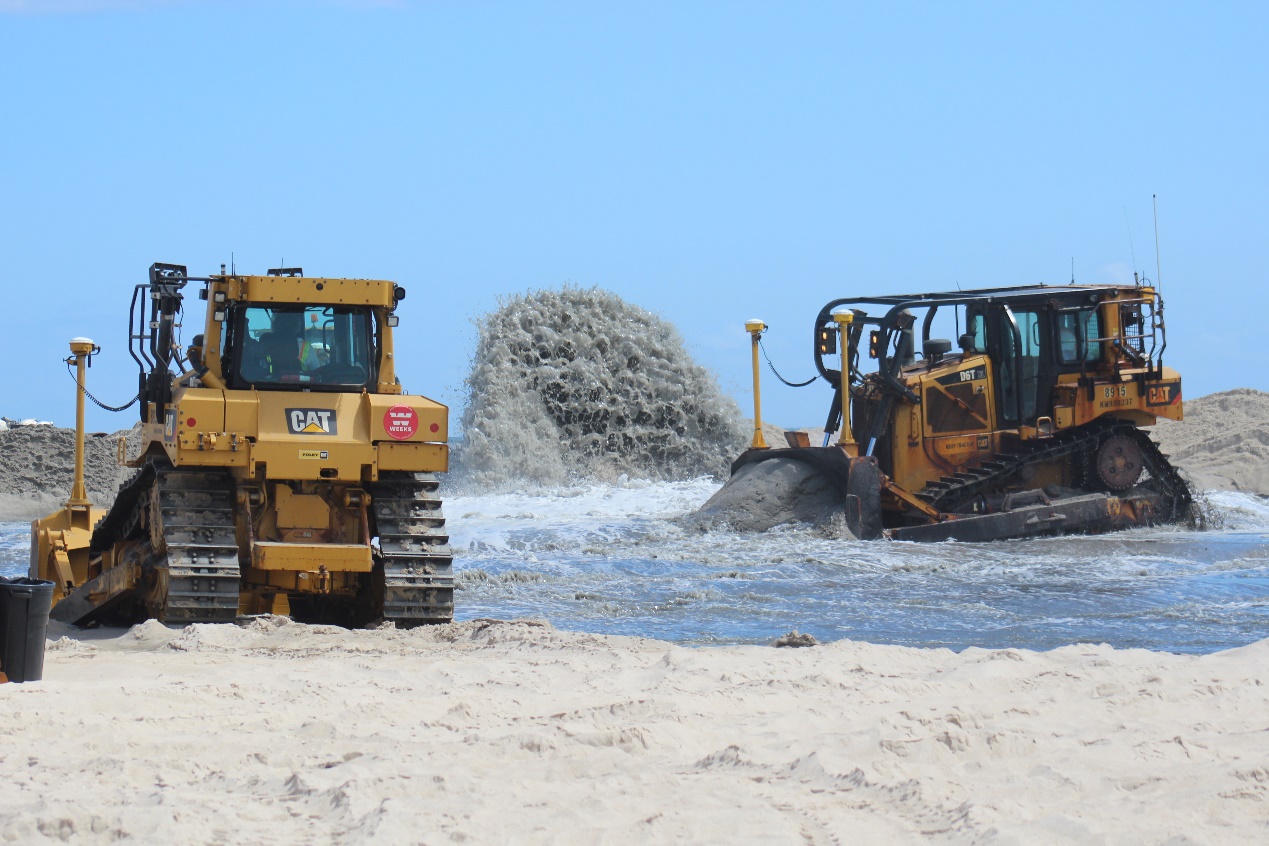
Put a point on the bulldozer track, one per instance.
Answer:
(990, 476)
(414, 549)
(192, 563)
(200, 546)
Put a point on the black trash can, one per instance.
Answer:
(24, 607)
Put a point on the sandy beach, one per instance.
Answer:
(491, 732)
(643, 423)
(515, 732)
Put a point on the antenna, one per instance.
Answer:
(1072, 270)
(233, 267)
(1158, 271)
(1131, 250)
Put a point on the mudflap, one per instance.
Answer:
(1085, 514)
(858, 480)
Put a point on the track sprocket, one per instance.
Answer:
(1118, 463)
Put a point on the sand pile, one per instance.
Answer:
(772, 493)
(491, 732)
(1223, 443)
(37, 468)
(579, 385)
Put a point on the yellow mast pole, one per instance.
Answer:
(755, 328)
(846, 440)
(81, 348)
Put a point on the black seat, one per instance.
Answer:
(282, 353)
(935, 348)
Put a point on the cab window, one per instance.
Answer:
(1018, 365)
(303, 346)
(1076, 333)
(977, 329)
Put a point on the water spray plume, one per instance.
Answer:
(578, 385)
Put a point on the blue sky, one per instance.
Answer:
(708, 161)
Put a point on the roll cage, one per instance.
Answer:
(892, 341)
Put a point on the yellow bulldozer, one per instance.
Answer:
(1032, 425)
(282, 469)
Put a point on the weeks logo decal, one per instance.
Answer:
(401, 422)
(311, 421)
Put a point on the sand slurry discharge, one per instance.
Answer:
(576, 385)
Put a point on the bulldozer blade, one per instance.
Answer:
(1085, 514)
(95, 598)
(858, 481)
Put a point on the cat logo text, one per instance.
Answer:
(1165, 394)
(311, 421)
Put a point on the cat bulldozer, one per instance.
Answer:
(282, 467)
(1032, 425)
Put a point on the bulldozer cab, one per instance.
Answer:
(1020, 348)
(1030, 345)
(298, 347)
(283, 332)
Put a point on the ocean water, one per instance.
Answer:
(614, 559)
